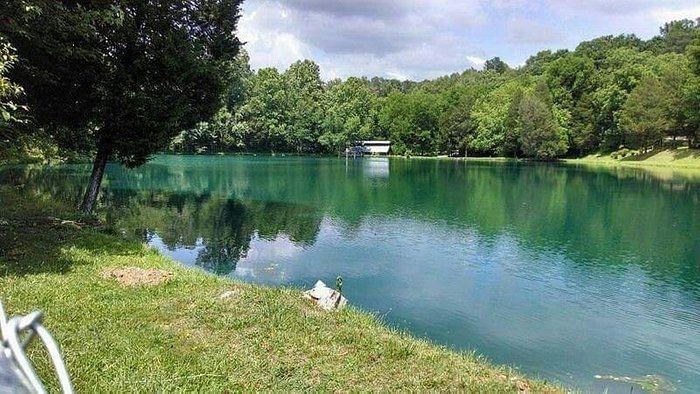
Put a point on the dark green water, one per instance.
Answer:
(564, 272)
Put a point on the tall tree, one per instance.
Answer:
(569, 78)
(305, 89)
(645, 114)
(127, 76)
(267, 111)
(489, 115)
(512, 126)
(583, 136)
(350, 114)
(675, 36)
(497, 65)
(541, 137)
(456, 125)
(224, 131)
(677, 83)
(412, 121)
(692, 108)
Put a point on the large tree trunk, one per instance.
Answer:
(98, 170)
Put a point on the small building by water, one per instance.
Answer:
(372, 148)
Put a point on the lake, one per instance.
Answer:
(564, 272)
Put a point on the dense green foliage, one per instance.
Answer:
(120, 77)
(171, 77)
(11, 112)
(609, 92)
(9, 91)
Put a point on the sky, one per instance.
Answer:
(424, 39)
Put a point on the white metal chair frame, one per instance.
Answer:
(16, 333)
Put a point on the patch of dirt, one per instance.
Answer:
(134, 276)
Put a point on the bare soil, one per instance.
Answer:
(134, 276)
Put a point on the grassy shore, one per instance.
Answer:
(181, 336)
(682, 158)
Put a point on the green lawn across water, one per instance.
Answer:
(682, 158)
(686, 162)
(181, 336)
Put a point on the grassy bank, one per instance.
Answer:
(665, 164)
(682, 158)
(180, 335)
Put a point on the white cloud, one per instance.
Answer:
(402, 39)
(419, 39)
(268, 46)
(476, 61)
(665, 14)
(527, 31)
(641, 17)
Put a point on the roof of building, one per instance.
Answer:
(377, 148)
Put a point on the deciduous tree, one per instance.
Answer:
(645, 114)
(305, 88)
(125, 76)
(541, 137)
(497, 65)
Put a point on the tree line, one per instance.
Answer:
(122, 80)
(609, 92)
(117, 79)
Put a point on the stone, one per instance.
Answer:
(228, 294)
(325, 297)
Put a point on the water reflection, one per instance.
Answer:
(606, 217)
(567, 271)
(375, 167)
(220, 230)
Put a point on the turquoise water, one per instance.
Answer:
(564, 272)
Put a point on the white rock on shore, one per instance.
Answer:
(325, 297)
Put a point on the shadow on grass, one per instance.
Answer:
(675, 154)
(679, 154)
(34, 233)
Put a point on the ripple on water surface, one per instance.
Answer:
(564, 272)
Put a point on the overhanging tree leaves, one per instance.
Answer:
(121, 77)
(10, 92)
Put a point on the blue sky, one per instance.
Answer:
(418, 39)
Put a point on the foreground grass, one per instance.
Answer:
(180, 336)
(682, 158)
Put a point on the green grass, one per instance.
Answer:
(180, 336)
(681, 158)
(678, 159)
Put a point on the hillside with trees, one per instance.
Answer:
(607, 93)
